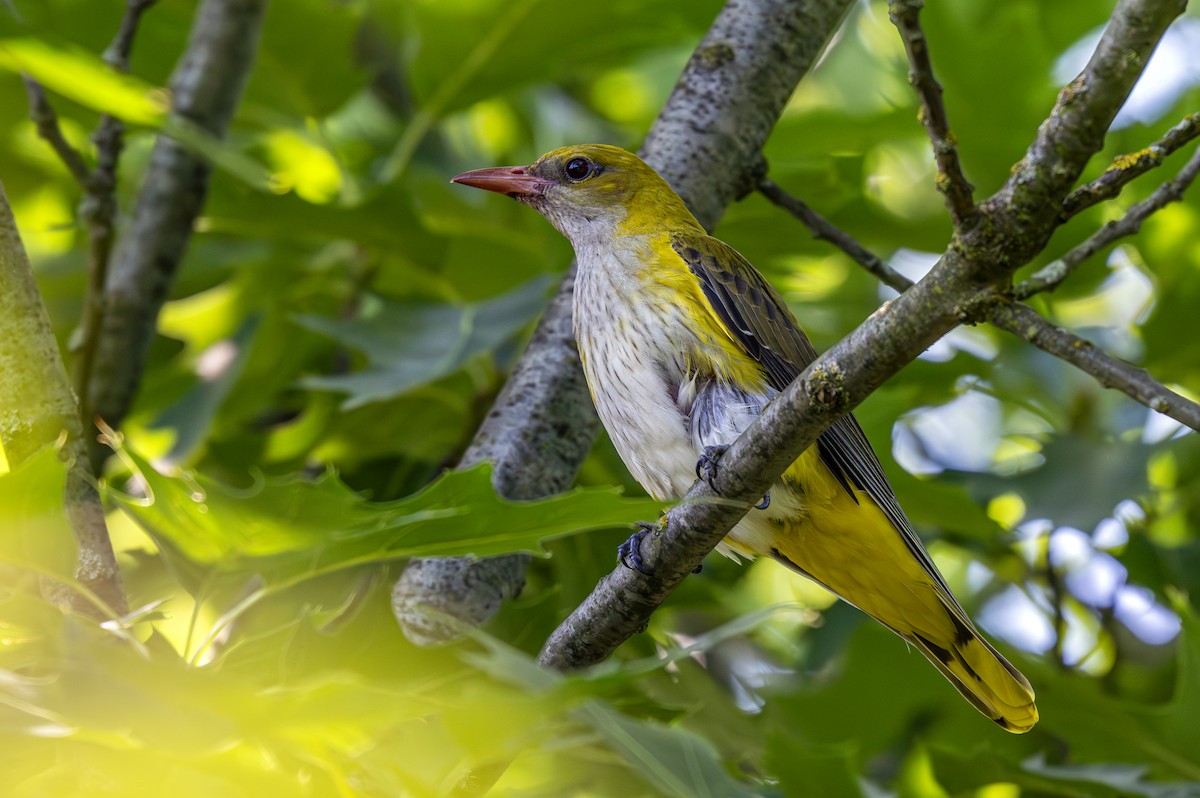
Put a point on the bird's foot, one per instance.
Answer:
(706, 469)
(706, 466)
(630, 552)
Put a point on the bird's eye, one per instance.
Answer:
(578, 168)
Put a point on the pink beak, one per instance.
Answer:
(515, 181)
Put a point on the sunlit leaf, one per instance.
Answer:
(34, 530)
(288, 527)
(86, 79)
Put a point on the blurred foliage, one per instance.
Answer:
(344, 318)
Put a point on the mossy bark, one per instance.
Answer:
(38, 409)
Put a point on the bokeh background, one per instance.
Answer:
(344, 317)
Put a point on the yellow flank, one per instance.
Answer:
(669, 281)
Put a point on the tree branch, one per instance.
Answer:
(707, 140)
(1075, 129)
(1018, 319)
(1125, 168)
(824, 230)
(707, 143)
(99, 205)
(1051, 276)
(205, 89)
(117, 54)
(1023, 321)
(37, 407)
(1020, 218)
(905, 15)
(41, 112)
(536, 436)
(99, 210)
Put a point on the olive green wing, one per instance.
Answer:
(760, 321)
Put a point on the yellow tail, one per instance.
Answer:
(846, 543)
(983, 676)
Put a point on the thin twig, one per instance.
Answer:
(43, 116)
(1125, 168)
(905, 15)
(206, 86)
(1050, 276)
(1024, 322)
(99, 210)
(117, 54)
(1018, 319)
(823, 229)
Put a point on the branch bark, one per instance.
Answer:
(1126, 168)
(1015, 224)
(205, 90)
(37, 407)
(45, 120)
(1013, 317)
(707, 142)
(959, 193)
(536, 436)
(1051, 276)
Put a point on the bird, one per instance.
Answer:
(683, 342)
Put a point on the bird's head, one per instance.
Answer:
(589, 191)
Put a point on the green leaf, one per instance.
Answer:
(408, 345)
(306, 63)
(84, 78)
(283, 528)
(804, 769)
(1116, 780)
(677, 762)
(193, 413)
(34, 531)
(1105, 727)
(1080, 481)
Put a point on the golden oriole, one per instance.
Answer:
(683, 342)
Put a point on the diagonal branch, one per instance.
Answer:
(1018, 319)
(41, 112)
(707, 142)
(205, 88)
(99, 210)
(1126, 168)
(1051, 276)
(1022, 217)
(824, 230)
(37, 408)
(1134, 382)
(905, 15)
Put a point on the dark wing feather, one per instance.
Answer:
(761, 322)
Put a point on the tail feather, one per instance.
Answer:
(932, 621)
(985, 678)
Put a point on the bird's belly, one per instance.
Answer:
(634, 400)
